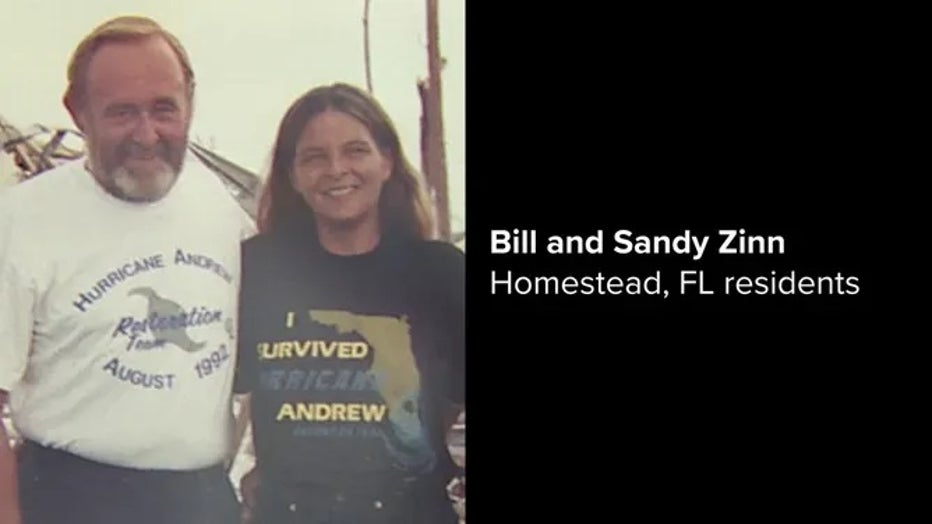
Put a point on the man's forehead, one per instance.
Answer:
(135, 67)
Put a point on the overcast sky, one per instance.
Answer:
(252, 59)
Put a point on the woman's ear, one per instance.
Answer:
(388, 164)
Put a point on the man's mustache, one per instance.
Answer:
(131, 149)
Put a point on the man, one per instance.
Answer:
(118, 285)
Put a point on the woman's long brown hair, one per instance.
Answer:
(402, 205)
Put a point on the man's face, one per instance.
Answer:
(135, 115)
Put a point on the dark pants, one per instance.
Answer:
(61, 488)
(422, 502)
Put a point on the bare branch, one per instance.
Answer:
(365, 27)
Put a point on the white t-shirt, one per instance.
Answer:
(118, 319)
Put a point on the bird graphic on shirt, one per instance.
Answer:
(163, 307)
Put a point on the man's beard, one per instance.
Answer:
(135, 184)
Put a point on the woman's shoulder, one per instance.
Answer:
(270, 252)
(431, 256)
(264, 243)
(435, 261)
(438, 251)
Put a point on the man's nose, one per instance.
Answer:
(145, 132)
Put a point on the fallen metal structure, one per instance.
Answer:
(27, 153)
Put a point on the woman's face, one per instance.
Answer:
(339, 169)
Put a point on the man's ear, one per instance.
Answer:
(74, 110)
(190, 101)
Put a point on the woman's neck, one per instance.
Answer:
(349, 239)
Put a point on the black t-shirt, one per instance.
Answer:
(351, 360)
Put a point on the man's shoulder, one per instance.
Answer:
(36, 195)
(47, 181)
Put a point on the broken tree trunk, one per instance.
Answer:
(433, 149)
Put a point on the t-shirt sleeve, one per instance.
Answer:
(17, 301)
(246, 359)
(447, 264)
(248, 228)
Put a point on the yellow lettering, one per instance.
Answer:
(373, 411)
(290, 321)
(266, 351)
(302, 349)
(360, 350)
(352, 350)
(285, 411)
(284, 350)
(339, 412)
(322, 412)
(327, 350)
(314, 348)
(331, 412)
(305, 412)
(344, 350)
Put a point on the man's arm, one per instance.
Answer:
(241, 423)
(18, 294)
(9, 491)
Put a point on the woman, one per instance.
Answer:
(351, 326)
